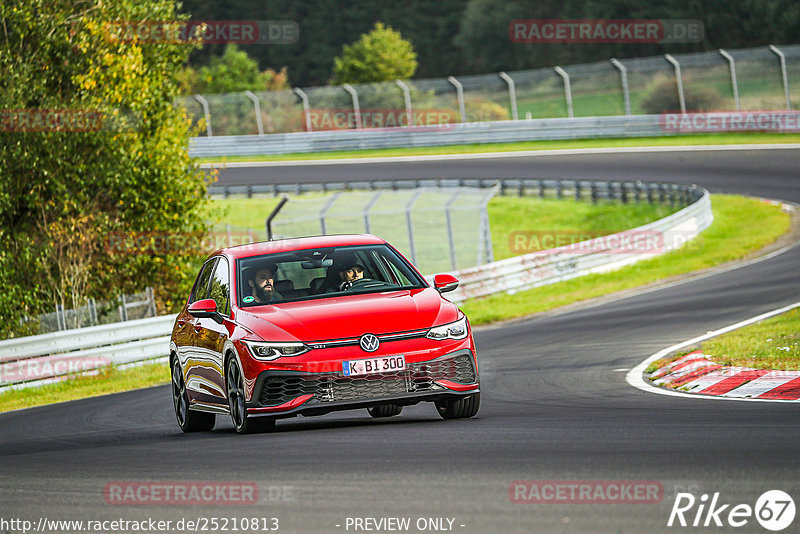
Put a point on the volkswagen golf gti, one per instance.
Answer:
(312, 325)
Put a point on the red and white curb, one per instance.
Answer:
(694, 373)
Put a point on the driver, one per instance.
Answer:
(349, 274)
(263, 285)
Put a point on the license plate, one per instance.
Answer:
(382, 364)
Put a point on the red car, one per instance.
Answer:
(312, 325)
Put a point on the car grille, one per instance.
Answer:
(332, 387)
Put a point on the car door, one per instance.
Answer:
(211, 337)
(186, 333)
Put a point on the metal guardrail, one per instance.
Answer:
(46, 357)
(450, 134)
(598, 255)
(37, 360)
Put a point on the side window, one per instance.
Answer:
(200, 289)
(220, 287)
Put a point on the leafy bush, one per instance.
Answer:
(662, 96)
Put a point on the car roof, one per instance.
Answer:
(298, 243)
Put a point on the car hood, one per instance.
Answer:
(349, 316)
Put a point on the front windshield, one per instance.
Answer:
(322, 273)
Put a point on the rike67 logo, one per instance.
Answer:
(774, 510)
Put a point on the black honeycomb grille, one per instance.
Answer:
(330, 387)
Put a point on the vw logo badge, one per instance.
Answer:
(369, 342)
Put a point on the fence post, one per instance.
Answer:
(623, 75)
(206, 113)
(679, 81)
(92, 311)
(410, 226)
(567, 90)
(60, 319)
(324, 212)
(407, 101)
(512, 96)
(306, 108)
(368, 208)
(151, 300)
(734, 84)
(123, 309)
(450, 240)
(356, 108)
(257, 107)
(782, 58)
(460, 94)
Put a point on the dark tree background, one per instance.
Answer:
(455, 37)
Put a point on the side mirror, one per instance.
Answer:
(205, 308)
(445, 282)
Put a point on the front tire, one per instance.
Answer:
(243, 423)
(384, 410)
(459, 408)
(188, 420)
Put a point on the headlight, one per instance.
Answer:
(271, 351)
(456, 330)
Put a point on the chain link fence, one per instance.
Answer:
(125, 308)
(756, 79)
(438, 229)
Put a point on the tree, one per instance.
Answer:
(92, 149)
(234, 71)
(380, 55)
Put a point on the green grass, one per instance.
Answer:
(681, 140)
(109, 380)
(773, 343)
(733, 235)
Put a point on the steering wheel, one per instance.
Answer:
(344, 286)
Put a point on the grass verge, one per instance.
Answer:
(773, 343)
(733, 235)
(109, 380)
(682, 140)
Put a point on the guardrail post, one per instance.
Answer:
(623, 75)
(206, 113)
(512, 94)
(306, 108)
(678, 80)
(734, 84)
(407, 101)
(356, 108)
(257, 107)
(567, 90)
(460, 94)
(782, 58)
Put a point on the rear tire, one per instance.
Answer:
(243, 423)
(188, 420)
(459, 408)
(385, 410)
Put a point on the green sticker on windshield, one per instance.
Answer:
(248, 299)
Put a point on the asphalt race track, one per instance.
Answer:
(555, 407)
